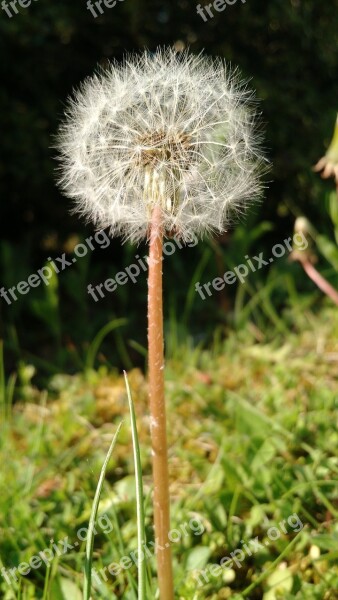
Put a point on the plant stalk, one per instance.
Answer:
(320, 281)
(157, 408)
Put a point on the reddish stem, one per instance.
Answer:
(157, 409)
(319, 280)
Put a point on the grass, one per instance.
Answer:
(141, 534)
(253, 439)
(91, 527)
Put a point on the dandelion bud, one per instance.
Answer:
(328, 164)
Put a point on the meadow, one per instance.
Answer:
(252, 441)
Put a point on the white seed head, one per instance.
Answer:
(167, 128)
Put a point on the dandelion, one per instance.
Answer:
(163, 144)
(166, 129)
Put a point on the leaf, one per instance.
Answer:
(125, 489)
(326, 541)
(328, 249)
(264, 454)
(98, 339)
(70, 590)
(216, 481)
(198, 557)
(250, 421)
(280, 581)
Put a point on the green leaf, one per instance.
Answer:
(328, 249)
(326, 542)
(70, 590)
(98, 339)
(264, 454)
(279, 582)
(198, 558)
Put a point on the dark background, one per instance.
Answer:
(288, 48)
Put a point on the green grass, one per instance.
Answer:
(87, 588)
(141, 534)
(253, 439)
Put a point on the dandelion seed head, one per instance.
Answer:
(167, 128)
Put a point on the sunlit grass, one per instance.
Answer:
(253, 439)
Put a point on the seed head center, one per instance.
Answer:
(160, 147)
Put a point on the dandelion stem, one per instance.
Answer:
(157, 408)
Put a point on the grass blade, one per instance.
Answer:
(92, 519)
(141, 535)
(98, 339)
(272, 566)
